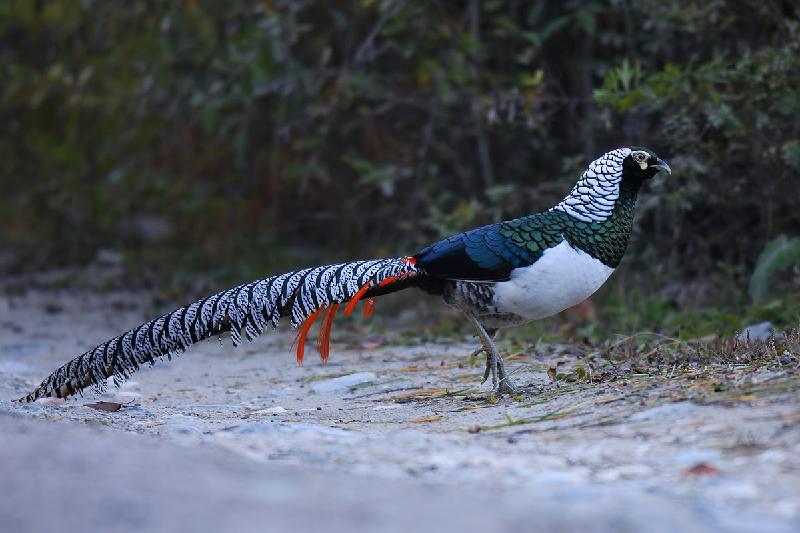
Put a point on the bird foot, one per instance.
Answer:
(506, 386)
(501, 381)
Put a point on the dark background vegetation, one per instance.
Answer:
(233, 139)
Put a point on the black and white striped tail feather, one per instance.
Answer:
(245, 310)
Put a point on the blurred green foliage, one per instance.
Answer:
(250, 135)
(779, 254)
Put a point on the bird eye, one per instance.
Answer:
(639, 157)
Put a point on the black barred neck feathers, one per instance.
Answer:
(594, 196)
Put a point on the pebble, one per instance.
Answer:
(759, 332)
(127, 396)
(343, 383)
(272, 410)
(51, 402)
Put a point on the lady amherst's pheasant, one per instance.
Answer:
(500, 275)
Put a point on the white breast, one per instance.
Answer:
(564, 276)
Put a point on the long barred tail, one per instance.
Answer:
(245, 310)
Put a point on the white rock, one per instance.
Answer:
(125, 396)
(51, 402)
(272, 410)
(759, 332)
(343, 383)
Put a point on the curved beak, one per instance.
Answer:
(662, 165)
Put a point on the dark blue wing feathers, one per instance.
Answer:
(482, 254)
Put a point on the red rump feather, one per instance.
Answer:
(324, 339)
(389, 280)
(303, 333)
(369, 307)
(352, 305)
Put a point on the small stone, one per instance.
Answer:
(474, 429)
(759, 332)
(343, 383)
(127, 396)
(51, 402)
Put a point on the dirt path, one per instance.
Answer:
(387, 437)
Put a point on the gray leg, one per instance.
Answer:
(501, 381)
(493, 334)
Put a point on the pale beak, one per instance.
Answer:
(662, 165)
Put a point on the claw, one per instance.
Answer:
(506, 385)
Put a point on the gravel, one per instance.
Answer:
(384, 438)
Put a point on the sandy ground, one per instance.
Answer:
(383, 438)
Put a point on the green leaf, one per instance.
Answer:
(777, 254)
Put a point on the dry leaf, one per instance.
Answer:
(701, 469)
(608, 399)
(703, 340)
(105, 406)
(430, 419)
(551, 373)
(792, 417)
(421, 393)
(370, 345)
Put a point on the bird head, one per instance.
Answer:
(643, 164)
(595, 194)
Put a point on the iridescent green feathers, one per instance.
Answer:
(605, 241)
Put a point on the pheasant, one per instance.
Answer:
(499, 276)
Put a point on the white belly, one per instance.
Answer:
(561, 278)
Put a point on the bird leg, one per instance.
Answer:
(477, 351)
(493, 335)
(501, 381)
